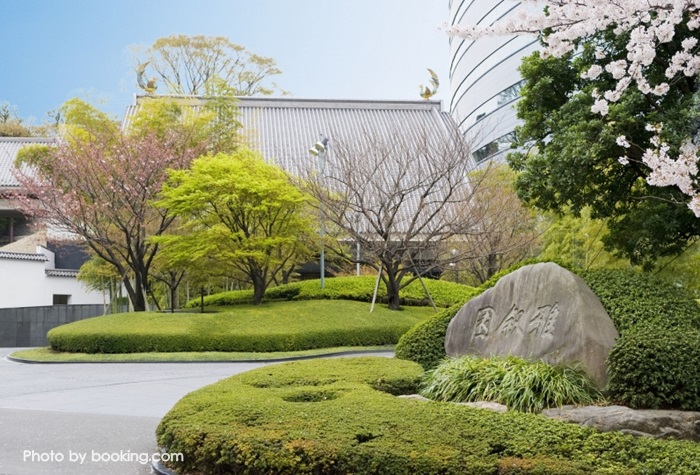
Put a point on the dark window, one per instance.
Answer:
(60, 299)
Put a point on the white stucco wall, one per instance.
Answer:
(24, 283)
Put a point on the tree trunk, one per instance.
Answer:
(258, 289)
(392, 292)
(136, 295)
(394, 300)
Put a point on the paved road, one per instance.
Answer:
(106, 413)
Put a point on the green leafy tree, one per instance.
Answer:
(99, 182)
(570, 157)
(192, 65)
(577, 240)
(241, 213)
(10, 123)
(98, 274)
(682, 270)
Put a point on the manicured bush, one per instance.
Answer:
(656, 361)
(282, 326)
(338, 416)
(521, 385)
(656, 368)
(425, 342)
(360, 288)
(633, 298)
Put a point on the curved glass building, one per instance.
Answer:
(484, 78)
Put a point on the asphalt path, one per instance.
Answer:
(92, 418)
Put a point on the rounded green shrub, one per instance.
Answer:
(425, 342)
(656, 368)
(282, 326)
(521, 385)
(340, 416)
(360, 289)
(633, 298)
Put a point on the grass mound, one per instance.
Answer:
(283, 326)
(521, 385)
(341, 416)
(47, 355)
(444, 294)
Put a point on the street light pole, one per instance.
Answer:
(319, 150)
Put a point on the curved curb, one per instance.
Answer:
(271, 360)
(160, 469)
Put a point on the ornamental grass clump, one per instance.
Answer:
(521, 385)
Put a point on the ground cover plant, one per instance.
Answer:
(444, 294)
(342, 416)
(526, 386)
(282, 326)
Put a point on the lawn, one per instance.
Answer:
(271, 327)
(47, 355)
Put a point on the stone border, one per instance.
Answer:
(160, 469)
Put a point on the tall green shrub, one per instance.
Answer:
(653, 367)
(425, 342)
(634, 298)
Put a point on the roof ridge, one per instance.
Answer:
(23, 256)
(26, 139)
(286, 101)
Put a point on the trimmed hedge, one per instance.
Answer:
(656, 361)
(633, 298)
(339, 416)
(656, 368)
(283, 326)
(360, 289)
(425, 343)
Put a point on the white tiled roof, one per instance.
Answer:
(61, 272)
(20, 256)
(9, 146)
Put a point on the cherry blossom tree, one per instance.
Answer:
(98, 182)
(650, 28)
(102, 191)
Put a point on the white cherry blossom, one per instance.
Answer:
(648, 24)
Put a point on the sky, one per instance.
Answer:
(54, 50)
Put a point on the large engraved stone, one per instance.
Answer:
(541, 311)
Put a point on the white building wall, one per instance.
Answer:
(79, 295)
(484, 77)
(24, 283)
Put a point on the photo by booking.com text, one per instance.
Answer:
(118, 460)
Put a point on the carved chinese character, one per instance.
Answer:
(544, 320)
(511, 323)
(551, 319)
(483, 322)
